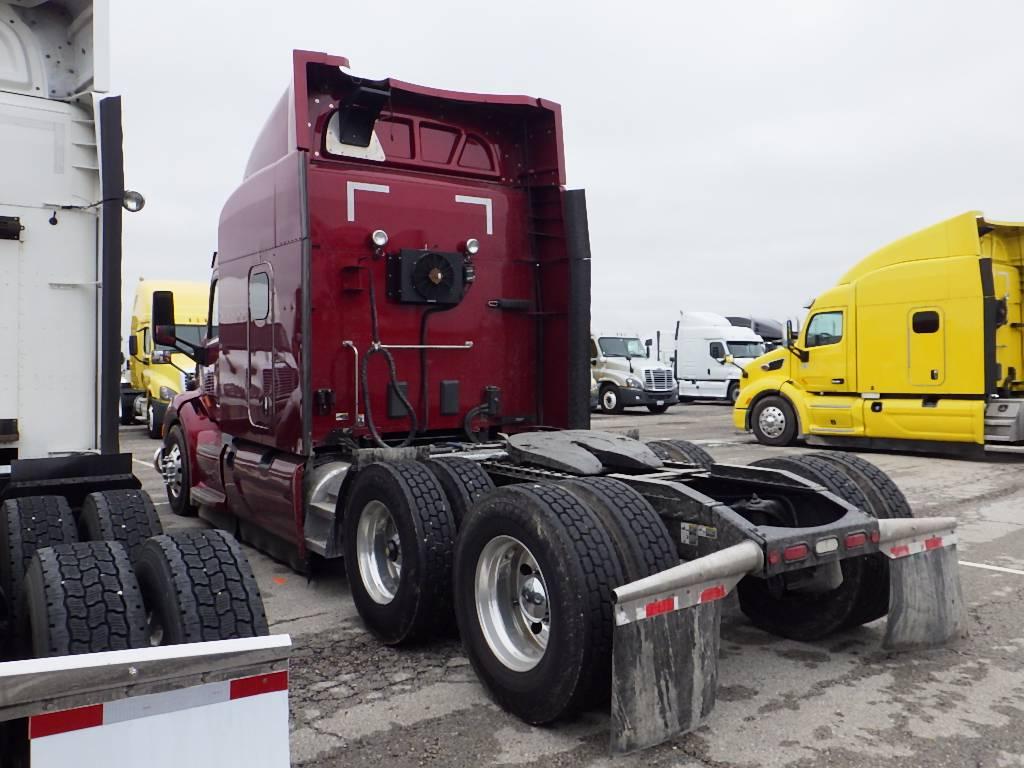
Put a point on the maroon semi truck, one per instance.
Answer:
(396, 372)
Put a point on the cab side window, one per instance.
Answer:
(259, 296)
(593, 349)
(824, 328)
(213, 320)
(716, 350)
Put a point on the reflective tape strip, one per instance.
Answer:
(698, 594)
(149, 705)
(906, 547)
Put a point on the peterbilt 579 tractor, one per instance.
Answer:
(396, 373)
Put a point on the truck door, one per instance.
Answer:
(926, 347)
(1007, 284)
(825, 343)
(260, 342)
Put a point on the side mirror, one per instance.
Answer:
(648, 343)
(727, 360)
(787, 340)
(133, 345)
(163, 317)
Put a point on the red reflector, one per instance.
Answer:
(855, 540)
(252, 686)
(933, 543)
(659, 607)
(900, 551)
(795, 552)
(716, 592)
(67, 720)
(875, 536)
(774, 557)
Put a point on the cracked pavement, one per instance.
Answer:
(839, 702)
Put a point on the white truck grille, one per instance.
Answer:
(660, 380)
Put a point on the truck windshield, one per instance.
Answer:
(616, 346)
(191, 333)
(746, 348)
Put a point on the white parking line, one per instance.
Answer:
(143, 463)
(997, 568)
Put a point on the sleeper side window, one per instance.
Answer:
(926, 321)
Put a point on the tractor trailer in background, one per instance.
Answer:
(918, 347)
(710, 355)
(88, 580)
(399, 377)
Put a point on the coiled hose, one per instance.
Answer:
(364, 378)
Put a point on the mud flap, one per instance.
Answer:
(926, 607)
(665, 657)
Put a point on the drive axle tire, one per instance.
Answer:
(81, 598)
(807, 616)
(127, 516)
(610, 400)
(642, 543)
(197, 585)
(26, 524)
(463, 482)
(657, 408)
(773, 421)
(176, 463)
(398, 540)
(887, 501)
(534, 573)
(681, 451)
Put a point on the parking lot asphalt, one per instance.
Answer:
(837, 702)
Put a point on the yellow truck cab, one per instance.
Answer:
(918, 347)
(156, 373)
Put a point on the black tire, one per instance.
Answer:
(887, 501)
(463, 482)
(155, 419)
(788, 432)
(127, 516)
(733, 392)
(642, 543)
(81, 598)
(180, 501)
(657, 408)
(577, 560)
(609, 399)
(420, 605)
(197, 585)
(127, 414)
(26, 524)
(802, 616)
(681, 451)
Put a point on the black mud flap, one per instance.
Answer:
(665, 657)
(926, 606)
(73, 477)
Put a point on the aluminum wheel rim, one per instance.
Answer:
(512, 603)
(609, 400)
(772, 421)
(172, 471)
(379, 552)
(150, 417)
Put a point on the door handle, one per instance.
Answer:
(838, 381)
(935, 374)
(876, 407)
(266, 405)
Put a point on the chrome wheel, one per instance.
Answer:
(150, 418)
(379, 552)
(171, 470)
(512, 603)
(772, 422)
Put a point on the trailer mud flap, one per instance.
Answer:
(926, 606)
(665, 657)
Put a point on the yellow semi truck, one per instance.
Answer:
(918, 347)
(156, 373)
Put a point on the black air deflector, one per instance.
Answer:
(358, 113)
(426, 277)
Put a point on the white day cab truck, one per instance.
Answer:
(627, 376)
(710, 356)
(99, 609)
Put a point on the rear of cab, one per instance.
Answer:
(909, 346)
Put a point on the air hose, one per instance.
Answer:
(377, 349)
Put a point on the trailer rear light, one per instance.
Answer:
(854, 540)
(795, 552)
(774, 557)
(825, 546)
(875, 537)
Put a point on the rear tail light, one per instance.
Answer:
(875, 536)
(825, 546)
(795, 552)
(854, 540)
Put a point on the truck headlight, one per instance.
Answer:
(634, 383)
(166, 393)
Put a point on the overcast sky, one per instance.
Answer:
(738, 157)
